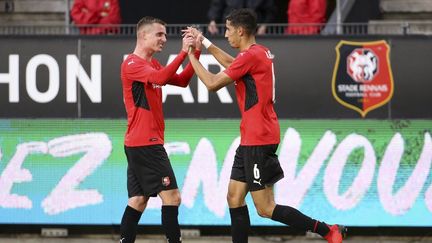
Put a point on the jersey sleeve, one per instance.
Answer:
(146, 73)
(184, 77)
(240, 66)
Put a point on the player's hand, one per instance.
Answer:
(198, 39)
(212, 28)
(198, 36)
(188, 41)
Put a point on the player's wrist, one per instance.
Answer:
(206, 43)
(183, 53)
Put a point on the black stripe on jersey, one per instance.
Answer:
(251, 98)
(139, 95)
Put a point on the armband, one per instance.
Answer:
(206, 43)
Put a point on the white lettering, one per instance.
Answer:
(75, 72)
(12, 78)
(203, 173)
(214, 191)
(96, 148)
(203, 94)
(185, 93)
(375, 88)
(334, 171)
(177, 148)
(428, 198)
(53, 78)
(297, 186)
(13, 173)
(347, 88)
(402, 201)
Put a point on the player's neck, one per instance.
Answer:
(143, 53)
(246, 43)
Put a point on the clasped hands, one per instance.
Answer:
(192, 39)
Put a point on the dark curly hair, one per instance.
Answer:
(244, 17)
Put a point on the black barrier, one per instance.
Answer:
(79, 77)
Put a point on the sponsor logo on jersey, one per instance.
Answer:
(157, 86)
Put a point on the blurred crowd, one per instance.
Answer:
(104, 16)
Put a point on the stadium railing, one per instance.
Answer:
(371, 28)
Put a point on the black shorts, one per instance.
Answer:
(258, 166)
(149, 171)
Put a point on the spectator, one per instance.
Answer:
(219, 9)
(306, 16)
(96, 12)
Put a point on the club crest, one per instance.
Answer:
(166, 181)
(362, 76)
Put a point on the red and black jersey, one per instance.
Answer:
(142, 83)
(253, 73)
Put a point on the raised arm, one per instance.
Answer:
(213, 82)
(159, 77)
(163, 75)
(182, 79)
(221, 56)
(192, 44)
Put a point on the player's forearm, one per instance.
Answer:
(183, 79)
(162, 76)
(205, 76)
(221, 56)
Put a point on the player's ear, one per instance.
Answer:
(240, 31)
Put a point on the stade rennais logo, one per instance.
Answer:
(362, 76)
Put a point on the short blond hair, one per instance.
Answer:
(148, 20)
